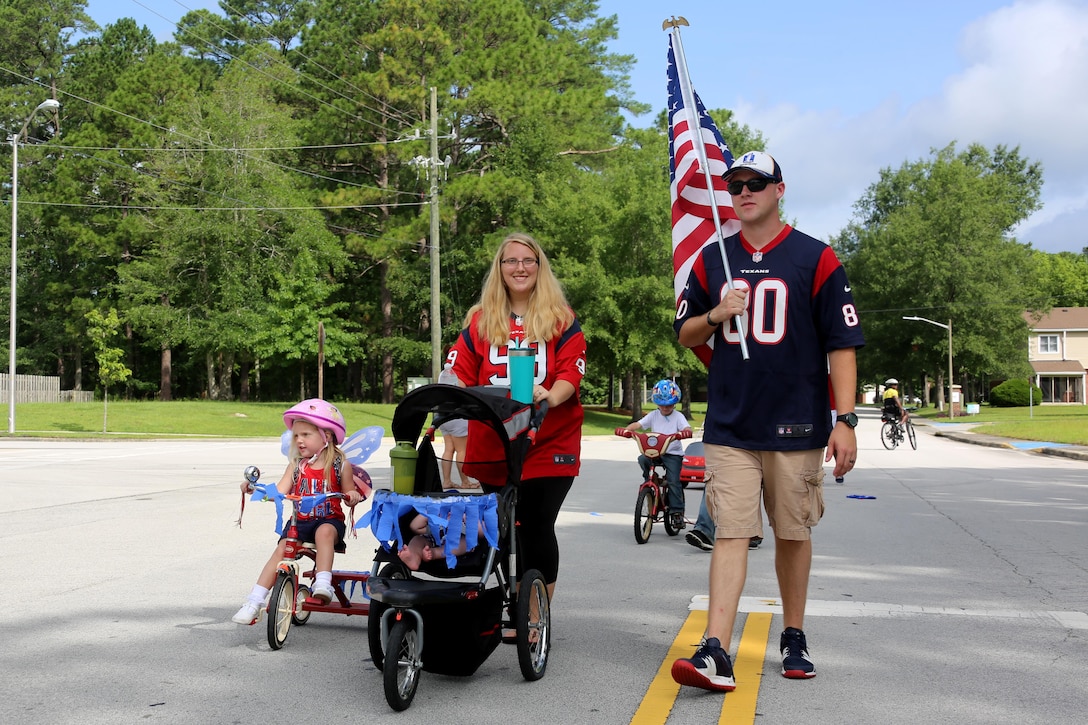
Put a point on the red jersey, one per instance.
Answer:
(308, 481)
(558, 446)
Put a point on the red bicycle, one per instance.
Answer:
(650, 504)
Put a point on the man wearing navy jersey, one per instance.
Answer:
(769, 418)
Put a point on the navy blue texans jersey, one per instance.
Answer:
(799, 308)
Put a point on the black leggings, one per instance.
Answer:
(539, 501)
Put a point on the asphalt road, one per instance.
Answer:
(957, 595)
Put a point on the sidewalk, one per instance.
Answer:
(965, 433)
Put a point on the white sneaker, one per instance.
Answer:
(323, 593)
(249, 613)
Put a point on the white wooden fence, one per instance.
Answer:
(42, 389)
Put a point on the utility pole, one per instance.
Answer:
(436, 289)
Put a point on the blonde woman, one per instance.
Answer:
(522, 303)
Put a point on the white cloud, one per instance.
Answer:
(1023, 83)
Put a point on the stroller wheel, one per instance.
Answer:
(402, 664)
(374, 616)
(534, 628)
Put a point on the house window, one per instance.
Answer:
(1061, 389)
(1048, 344)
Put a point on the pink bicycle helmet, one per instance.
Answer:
(325, 416)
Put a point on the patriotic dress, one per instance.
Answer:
(309, 481)
(800, 307)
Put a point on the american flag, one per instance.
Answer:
(692, 219)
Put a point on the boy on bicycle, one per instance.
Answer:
(665, 420)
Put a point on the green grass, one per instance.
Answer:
(1060, 424)
(1054, 423)
(177, 418)
(203, 418)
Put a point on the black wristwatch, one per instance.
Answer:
(851, 419)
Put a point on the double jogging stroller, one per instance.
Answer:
(452, 612)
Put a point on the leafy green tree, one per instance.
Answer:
(1064, 279)
(34, 38)
(111, 368)
(933, 239)
(241, 235)
(98, 221)
(278, 22)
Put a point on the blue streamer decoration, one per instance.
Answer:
(307, 504)
(448, 519)
(269, 492)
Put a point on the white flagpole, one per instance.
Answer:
(696, 130)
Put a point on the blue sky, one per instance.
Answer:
(843, 88)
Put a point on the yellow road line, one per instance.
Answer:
(661, 696)
(738, 706)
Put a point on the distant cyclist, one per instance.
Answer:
(893, 406)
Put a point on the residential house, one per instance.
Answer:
(1058, 352)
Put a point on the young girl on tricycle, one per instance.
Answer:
(316, 465)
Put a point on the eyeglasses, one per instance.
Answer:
(528, 262)
(754, 185)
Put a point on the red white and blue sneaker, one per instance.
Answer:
(709, 669)
(796, 664)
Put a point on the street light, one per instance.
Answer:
(951, 408)
(47, 105)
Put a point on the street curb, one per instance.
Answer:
(1078, 453)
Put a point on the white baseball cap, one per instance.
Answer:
(891, 381)
(757, 162)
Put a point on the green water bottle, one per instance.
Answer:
(403, 457)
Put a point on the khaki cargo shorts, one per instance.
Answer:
(791, 483)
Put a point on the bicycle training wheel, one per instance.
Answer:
(533, 625)
(644, 514)
(402, 666)
(911, 436)
(280, 609)
(887, 435)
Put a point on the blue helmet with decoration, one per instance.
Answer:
(665, 392)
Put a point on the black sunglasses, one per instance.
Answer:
(754, 185)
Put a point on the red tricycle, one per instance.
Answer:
(290, 601)
(650, 505)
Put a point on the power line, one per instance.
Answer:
(232, 149)
(214, 146)
(253, 207)
(132, 207)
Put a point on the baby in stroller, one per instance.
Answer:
(442, 606)
(424, 547)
